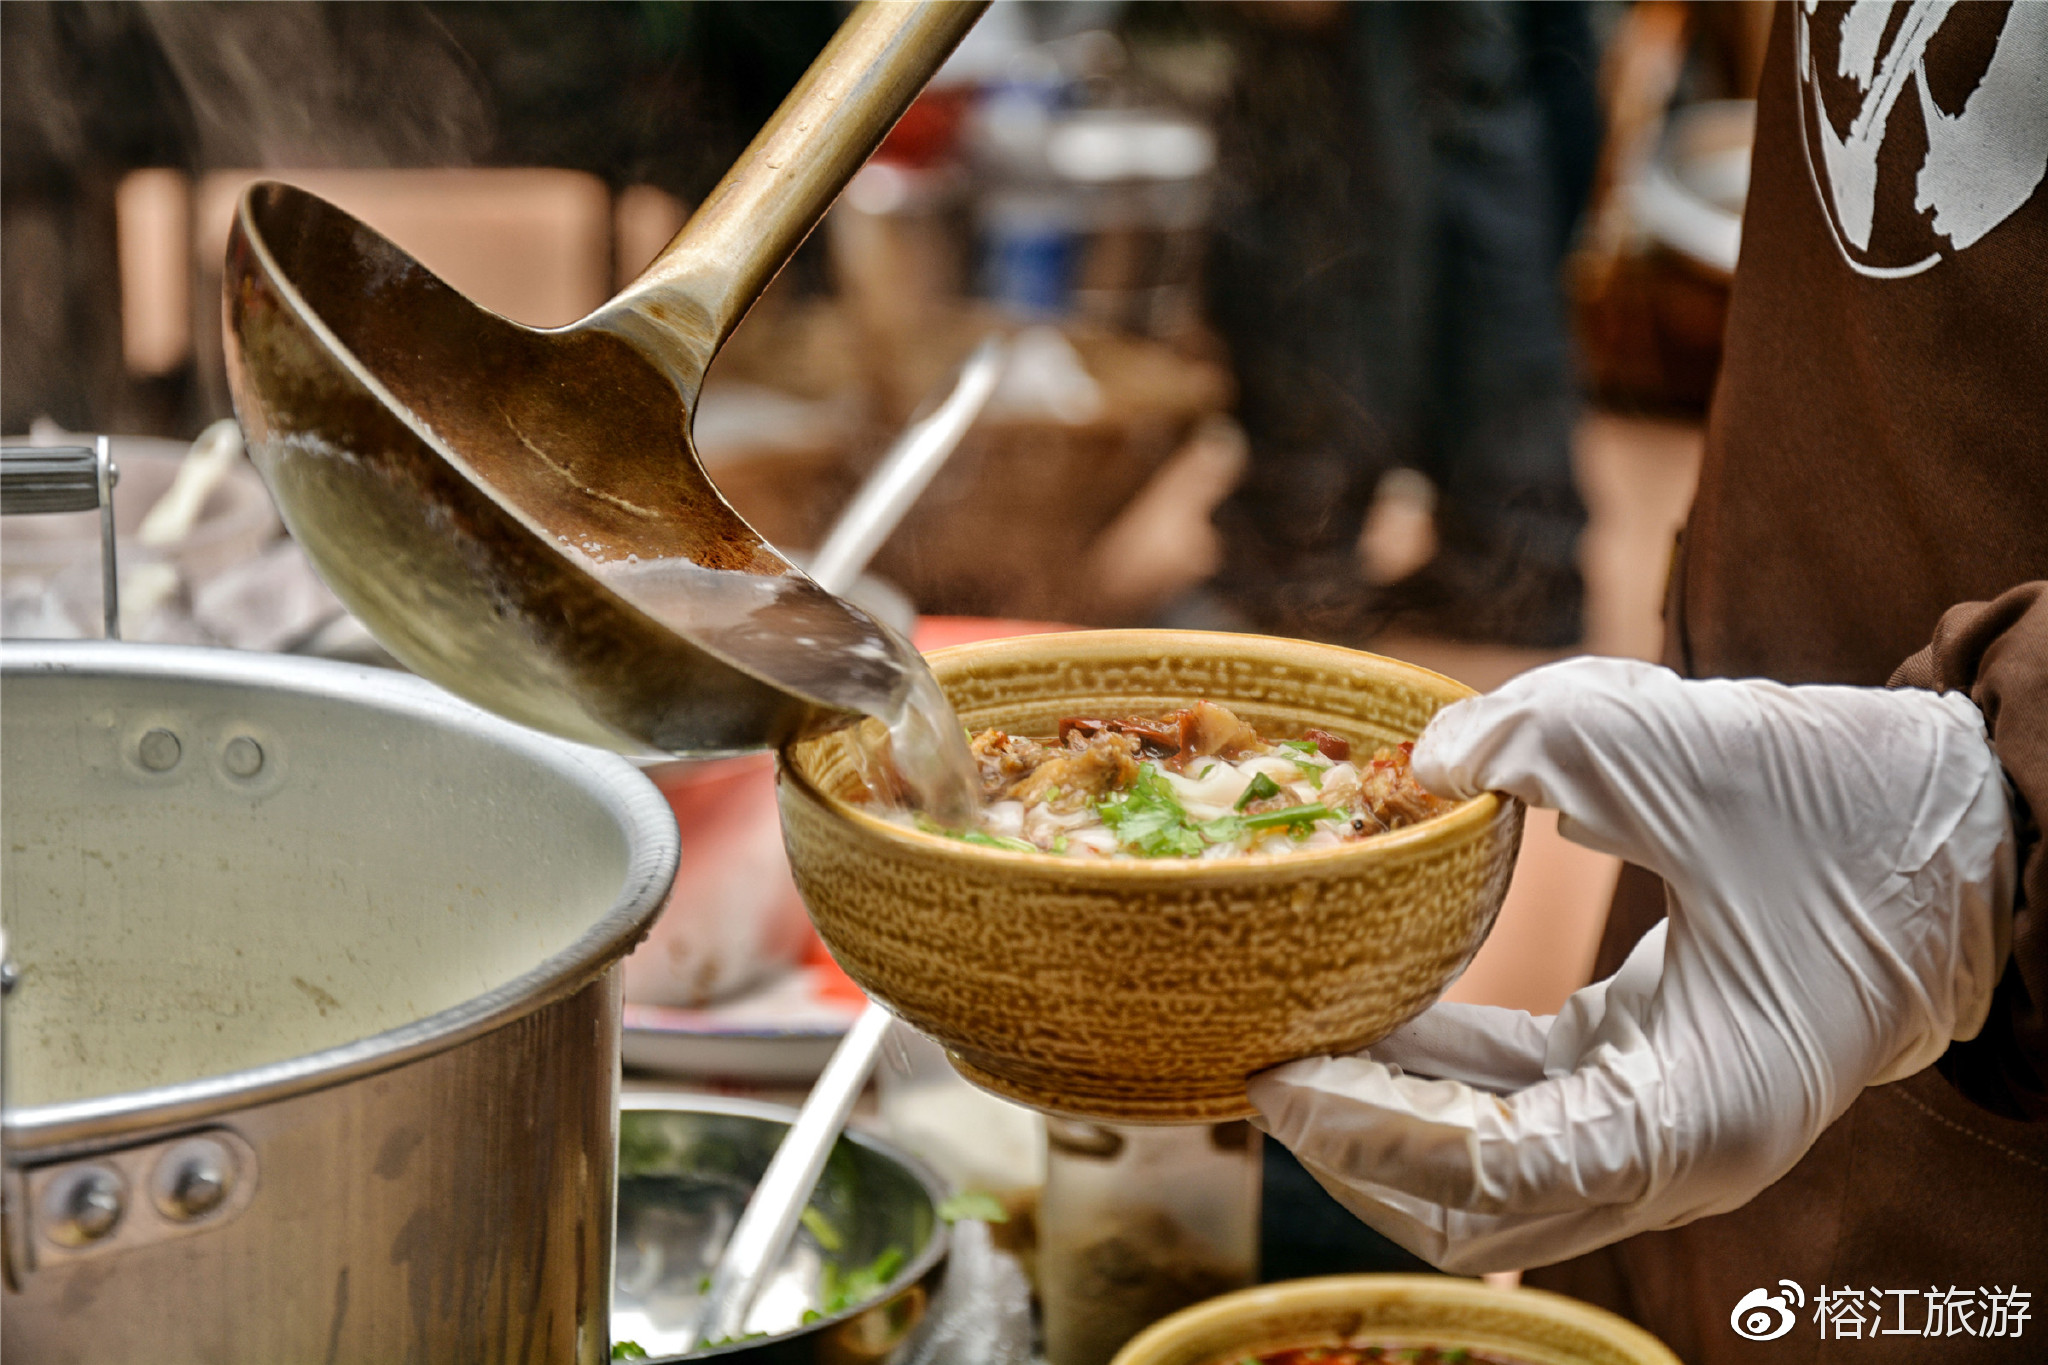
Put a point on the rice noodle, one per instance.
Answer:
(1198, 782)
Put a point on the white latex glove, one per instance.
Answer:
(1840, 863)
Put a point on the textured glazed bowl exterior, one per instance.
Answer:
(1528, 1326)
(1141, 990)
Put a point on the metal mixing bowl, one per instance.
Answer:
(687, 1164)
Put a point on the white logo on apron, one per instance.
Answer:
(1983, 160)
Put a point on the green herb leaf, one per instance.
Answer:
(1059, 843)
(1311, 773)
(1149, 819)
(628, 1350)
(975, 836)
(821, 1229)
(1262, 787)
(1301, 816)
(839, 1290)
(973, 1204)
(1223, 829)
(1004, 841)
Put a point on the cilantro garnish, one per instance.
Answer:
(821, 1229)
(975, 836)
(1260, 789)
(1302, 816)
(839, 1290)
(1149, 819)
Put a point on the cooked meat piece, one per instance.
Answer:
(1211, 731)
(1160, 737)
(1004, 759)
(1107, 763)
(1391, 793)
(1267, 804)
(1336, 748)
(1204, 730)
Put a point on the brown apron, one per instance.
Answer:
(1877, 453)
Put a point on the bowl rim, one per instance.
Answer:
(1463, 820)
(1341, 1291)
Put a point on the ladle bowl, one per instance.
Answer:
(519, 514)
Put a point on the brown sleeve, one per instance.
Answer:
(1997, 652)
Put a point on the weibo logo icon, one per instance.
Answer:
(1764, 1316)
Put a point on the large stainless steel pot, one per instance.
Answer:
(313, 1054)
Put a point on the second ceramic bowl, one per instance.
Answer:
(1400, 1313)
(1146, 990)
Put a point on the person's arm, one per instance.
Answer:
(1840, 873)
(1997, 654)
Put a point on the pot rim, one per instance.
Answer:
(51, 1131)
(1464, 820)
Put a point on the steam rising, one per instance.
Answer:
(310, 86)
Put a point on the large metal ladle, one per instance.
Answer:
(519, 514)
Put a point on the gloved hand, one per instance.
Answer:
(1840, 865)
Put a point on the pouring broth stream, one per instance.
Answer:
(792, 630)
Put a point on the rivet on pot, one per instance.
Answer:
(82, 1205)
(243, 756)
(159, 750)
(193, 1178)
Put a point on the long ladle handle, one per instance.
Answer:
(684, 305)
(763, 1231)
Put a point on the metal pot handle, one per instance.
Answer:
(35, 479)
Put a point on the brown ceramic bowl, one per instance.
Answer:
(1141, 990)
(1527, 1326)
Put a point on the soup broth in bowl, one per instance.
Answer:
(1195, 783)
(1146, 989)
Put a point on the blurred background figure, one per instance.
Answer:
(1402, 183)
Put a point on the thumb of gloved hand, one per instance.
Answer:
(1840, 869)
